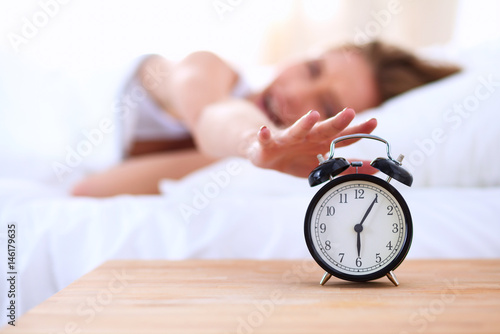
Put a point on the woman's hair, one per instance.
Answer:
(397, 70)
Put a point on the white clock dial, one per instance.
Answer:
(358, 227)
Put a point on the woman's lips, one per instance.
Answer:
(271, 107)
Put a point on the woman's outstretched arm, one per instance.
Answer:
(223, 126)
(198, 91)
(140, 175)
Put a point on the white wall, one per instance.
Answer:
(81, 34)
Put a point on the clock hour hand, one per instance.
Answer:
(359, 242)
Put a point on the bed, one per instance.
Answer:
(449, 132)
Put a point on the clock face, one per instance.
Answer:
(358, 227)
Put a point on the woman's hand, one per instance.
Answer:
(294, 150)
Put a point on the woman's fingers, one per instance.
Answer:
(264, 136)
(299, 130)
(333, 126)
(308, 127)
(303, 126)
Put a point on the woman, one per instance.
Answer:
(203, 119)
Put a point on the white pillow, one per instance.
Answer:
(449, 130)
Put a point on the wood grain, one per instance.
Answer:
(234, 296)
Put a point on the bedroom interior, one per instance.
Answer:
(62, 64)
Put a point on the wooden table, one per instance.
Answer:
(271, 297)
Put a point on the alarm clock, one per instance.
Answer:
(358, 227)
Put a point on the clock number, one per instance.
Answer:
(358, 262)
(378, 258)
(328, 246)
(322, 227)
(395, 228)
(389, 246)
(359, 194)
(343, 198)
(390, 208)
(341, 256)
(330, 210)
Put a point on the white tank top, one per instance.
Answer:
(145, 120)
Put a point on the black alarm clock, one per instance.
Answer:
(358, 227)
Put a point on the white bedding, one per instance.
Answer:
(232, 209)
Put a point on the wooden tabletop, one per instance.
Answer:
(271, 297)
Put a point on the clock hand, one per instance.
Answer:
(359, 243)
(368, 211)
(359, 227)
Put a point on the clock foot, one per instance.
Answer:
(325, 278)
(392, 277)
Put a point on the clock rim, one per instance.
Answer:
(385, 269)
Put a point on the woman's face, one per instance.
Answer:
(328, 84)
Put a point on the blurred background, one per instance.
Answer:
(76, 34)
(62, 61)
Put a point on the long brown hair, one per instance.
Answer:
(397, 70)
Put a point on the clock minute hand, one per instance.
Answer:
(358, 228)
(369, 209)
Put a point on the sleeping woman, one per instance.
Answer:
(201, 112)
